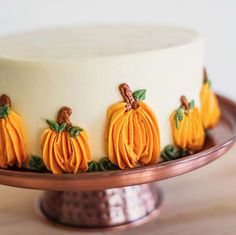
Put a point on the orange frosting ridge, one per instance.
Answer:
(189, 133)
(63, 153)
(132, 135)
(210, 110)
(12, 141)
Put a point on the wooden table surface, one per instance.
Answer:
(198, 203)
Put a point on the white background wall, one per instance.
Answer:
(215, 19)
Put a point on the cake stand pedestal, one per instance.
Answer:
(117, 208)
(115, 200)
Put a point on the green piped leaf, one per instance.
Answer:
(113, 167)
(62, 127)
(53, 125)
(179, 116)
(171, 153)
(191, 104)
(165, 156)
(181, 111)
(140, 94)
(37, 163)
(93, 167)
(184, 152)
(75, 131)
(4, 111)
(104, 164)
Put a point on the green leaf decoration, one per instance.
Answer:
(4, 111)
(75, 131)
(184, 152)
(191, 104)
(53, 125)
(104, 164)
(140, 94)
(37, 163)
(165, 156)
(179, 116)
(171, 153)
(62, 127)
(93, 167)
(113, 167)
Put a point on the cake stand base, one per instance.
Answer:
(109, 209)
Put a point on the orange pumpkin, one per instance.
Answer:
(12, 136)
(132, 132)
(210, 110)
(187, 128)
(65, 147)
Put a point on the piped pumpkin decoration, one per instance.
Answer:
(12, 136)
(210, 110)
(132, 131)
(187, 127)
(65, 147)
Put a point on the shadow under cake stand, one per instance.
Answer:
(115, 200)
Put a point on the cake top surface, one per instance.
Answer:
(85, 42)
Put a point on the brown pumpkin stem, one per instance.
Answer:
(64, 116)
(5, 100)
(184, 102)
(205, 76)
(127, 94)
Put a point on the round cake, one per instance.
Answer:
(86, 69)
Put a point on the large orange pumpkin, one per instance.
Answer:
(187, 127)
(65, 147)
(12, 136)
(132, 131)
(210, 110)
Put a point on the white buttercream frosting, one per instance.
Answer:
(82, 68)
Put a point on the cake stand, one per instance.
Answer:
(114, 200)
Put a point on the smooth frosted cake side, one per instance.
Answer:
(82, 68)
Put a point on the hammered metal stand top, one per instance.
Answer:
(101, 208)
(219, 140)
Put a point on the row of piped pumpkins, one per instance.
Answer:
(132, 133)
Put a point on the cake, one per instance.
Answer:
(83, 70)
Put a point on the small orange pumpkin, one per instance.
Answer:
(132, 131)
(12, 136)
(65, 147)
(210, 110)
(187, 128)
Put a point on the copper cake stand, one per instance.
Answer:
(121, 199)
